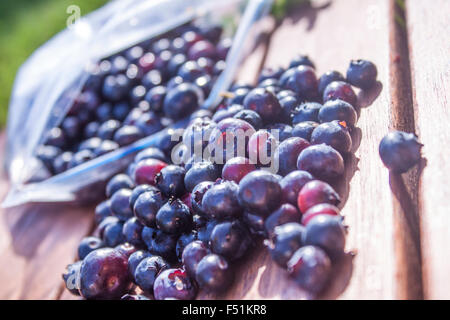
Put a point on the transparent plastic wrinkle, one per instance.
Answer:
(116, 26)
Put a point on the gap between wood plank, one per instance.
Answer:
(405, 188)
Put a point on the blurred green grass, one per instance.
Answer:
(24, 26)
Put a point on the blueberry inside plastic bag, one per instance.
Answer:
(48, 83)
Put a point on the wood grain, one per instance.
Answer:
(428, 28)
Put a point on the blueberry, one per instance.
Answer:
(255, 224)
(226, 113)
(214, 273)
(120, 204)
(328, 233)
(126, 248)
(134, 297)
(338, 110)
(308, 111)
(112, 234)
(328, 78)
(292, 184)
(160, 243)
(270, 73)
(304, 129)
(146, 170)
(190, 71)
(138, 191)
(362, 74)
(61, 162)
(149, 123)
(107, 129)
(334, 134)
(287, 154)
(170, 180)
(202, 114)
(321, 161)
(197, 134)
(132, 230)
(155, 97)
(102, 210)
(301, 60)
(127, 135)
(87, 245)
(192, 254)
(284, 214)
(319, 209)
(119, 181)
(263, 102)
(310, 268)
(237, 168)
(400, 151)
(316, 192)
(183, 241)
(284, 131)
(303, 82)
(120, 111)
(204, 233)
(71, 127)
(230, 239)
(261, 147)
(200, 172)
(182, 100)
(56, 138)
(135, 258)
(104, 275)
(176, 62)
(340, 90)
(259, 192)
(221, 201)
(91, 129)
(232, 133)
(251, 117)
(174, 217)
(288, 105)
(81, 157)
(115, 87)
(72, 277)
(197, 197)
(238, 96)
(284, 241)
(202, 48)
(105, 147)
(174, 284)
(147, 271)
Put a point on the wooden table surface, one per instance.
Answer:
(399, 225)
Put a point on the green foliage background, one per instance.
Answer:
(24, 26)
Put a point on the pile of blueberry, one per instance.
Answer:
(178, 221)
(136, 93)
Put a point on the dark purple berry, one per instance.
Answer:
(237, 168)
(214, 273)
(292, 184)
(303, 82)
(120, 204)
(310, 268)
(87, 245)
(192, 254)
(340, 90)
(132, 230)
(174, 284)
(338, 110)
(147, 271)
(259, 192)
(251, 117)
(174, 217)
(316, 192)
(308, 111)
(230, 240)
(135, 258)
(104, 275)
(284, 241)
(127, 135)
(170, 180)
(221, 201)
(334, 134)
(362, 74)
(263, 102)
(301, 60)
(197, 197)
(200, 172)
(146, 170)
(284, 214)
(319, 209)
(400, 151)
(321, 161)
(287, 154)
(328, 233)
(119, 181)
(328, 78)
(182, 101)
(102, 210)
(304, 129)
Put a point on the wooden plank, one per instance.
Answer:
(333, 35)
(428, 27)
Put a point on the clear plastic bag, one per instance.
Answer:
(46, 82)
